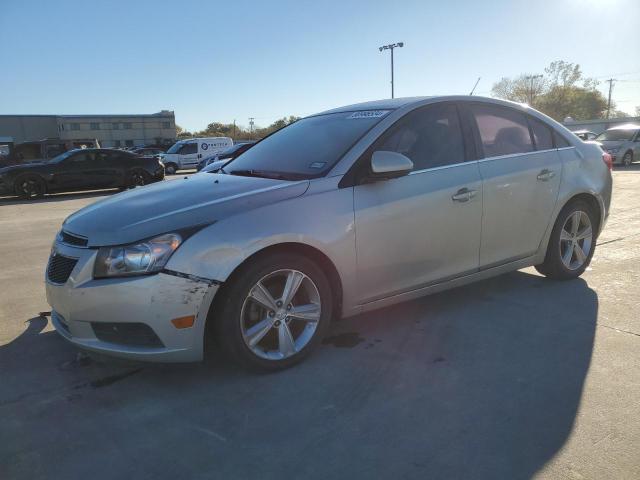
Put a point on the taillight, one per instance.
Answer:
(607, 159)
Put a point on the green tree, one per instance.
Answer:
(561, 92)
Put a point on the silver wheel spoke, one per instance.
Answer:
(294, 279)
(286, 344)
(568, 255)
(575, 223)
(261, 295)
(580, 255)
(585, 233)
(308, 313)
(258, 331)
(565, 236)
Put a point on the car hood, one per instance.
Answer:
(21, 166)
(175, 204)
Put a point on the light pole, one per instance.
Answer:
(391, 46)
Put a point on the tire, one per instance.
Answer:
(30, 186)
(627, 160)
(137, 178)
(280, 340)
(567, 258)
(170, 168)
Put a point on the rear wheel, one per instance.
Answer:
(627, 159)
(571, 244)
(137, 178)
(30, 186)
(274, 312)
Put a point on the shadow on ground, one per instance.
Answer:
(479, 382)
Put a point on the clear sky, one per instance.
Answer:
(220, 61)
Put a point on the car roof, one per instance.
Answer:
(395, 103)
(626, 126)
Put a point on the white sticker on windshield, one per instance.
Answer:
(369, 114)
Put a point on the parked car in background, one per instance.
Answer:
(228, 154)
(585, 134)
(410, 196)
(186, 154)
(622, 143)
(81, 169)
(152, 151)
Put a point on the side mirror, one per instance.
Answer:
(386, 165)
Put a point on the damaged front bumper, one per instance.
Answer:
(130, 317)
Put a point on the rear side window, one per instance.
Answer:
(430, 137)
(503, 131)
(541, 134)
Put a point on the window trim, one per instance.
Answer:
(352, 177)
(533, 137)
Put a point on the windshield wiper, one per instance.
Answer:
(259, 174)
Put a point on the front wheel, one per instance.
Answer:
(137, 178)
(274, 312)
(627, 160)
(572, 242)
(170, 168)
(30, 186)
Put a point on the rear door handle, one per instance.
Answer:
(463, 195)
(546, 174)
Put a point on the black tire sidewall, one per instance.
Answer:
(553, 265)
(38, 180)
(170, 166)
(228, 322)
(628, 155)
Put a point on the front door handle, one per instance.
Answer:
(546, 175)
(463, 195)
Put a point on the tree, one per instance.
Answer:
(561, 92)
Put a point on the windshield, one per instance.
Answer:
(307, 148)
(616, 135)
(62, 156)
(175, 147)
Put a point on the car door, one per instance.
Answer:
(110, 168)
(424, 227)
(189, 155)
(521, 173)
(81, 170)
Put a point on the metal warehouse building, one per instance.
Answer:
(110, 130)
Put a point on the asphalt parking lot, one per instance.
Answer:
(515, 377)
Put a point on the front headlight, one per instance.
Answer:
(148, 256)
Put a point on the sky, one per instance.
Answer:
(224, 61)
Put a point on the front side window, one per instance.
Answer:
(503, 131)
(189, 148)
(307, 148)
(430, 137)
(541, 134)
(128, 143)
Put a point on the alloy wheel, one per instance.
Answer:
(280, 314)
(137, 179)
(576, 239)
(626, 160)
(30, 188)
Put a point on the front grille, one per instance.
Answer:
(135, 334)
(60, 268)
(71, 239)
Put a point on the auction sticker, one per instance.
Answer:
(368, 114)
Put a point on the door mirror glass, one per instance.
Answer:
(386, 164)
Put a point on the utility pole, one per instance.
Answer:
(611, 80)
(531, 78)
(251, 119)
(234, 128)
(391, 46)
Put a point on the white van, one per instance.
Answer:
(186, 154)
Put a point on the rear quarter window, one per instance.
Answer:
(503, 131)
(542, 135)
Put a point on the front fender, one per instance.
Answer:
(322, 218)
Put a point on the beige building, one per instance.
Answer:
(109, 130)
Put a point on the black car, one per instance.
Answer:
(152, 151)
(228, 154)
(83, 169)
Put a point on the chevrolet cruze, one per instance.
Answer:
(339, 213)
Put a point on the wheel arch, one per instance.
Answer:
(592, 201)
(22, 175)
(306, 250)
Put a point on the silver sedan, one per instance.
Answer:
(339, 213)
